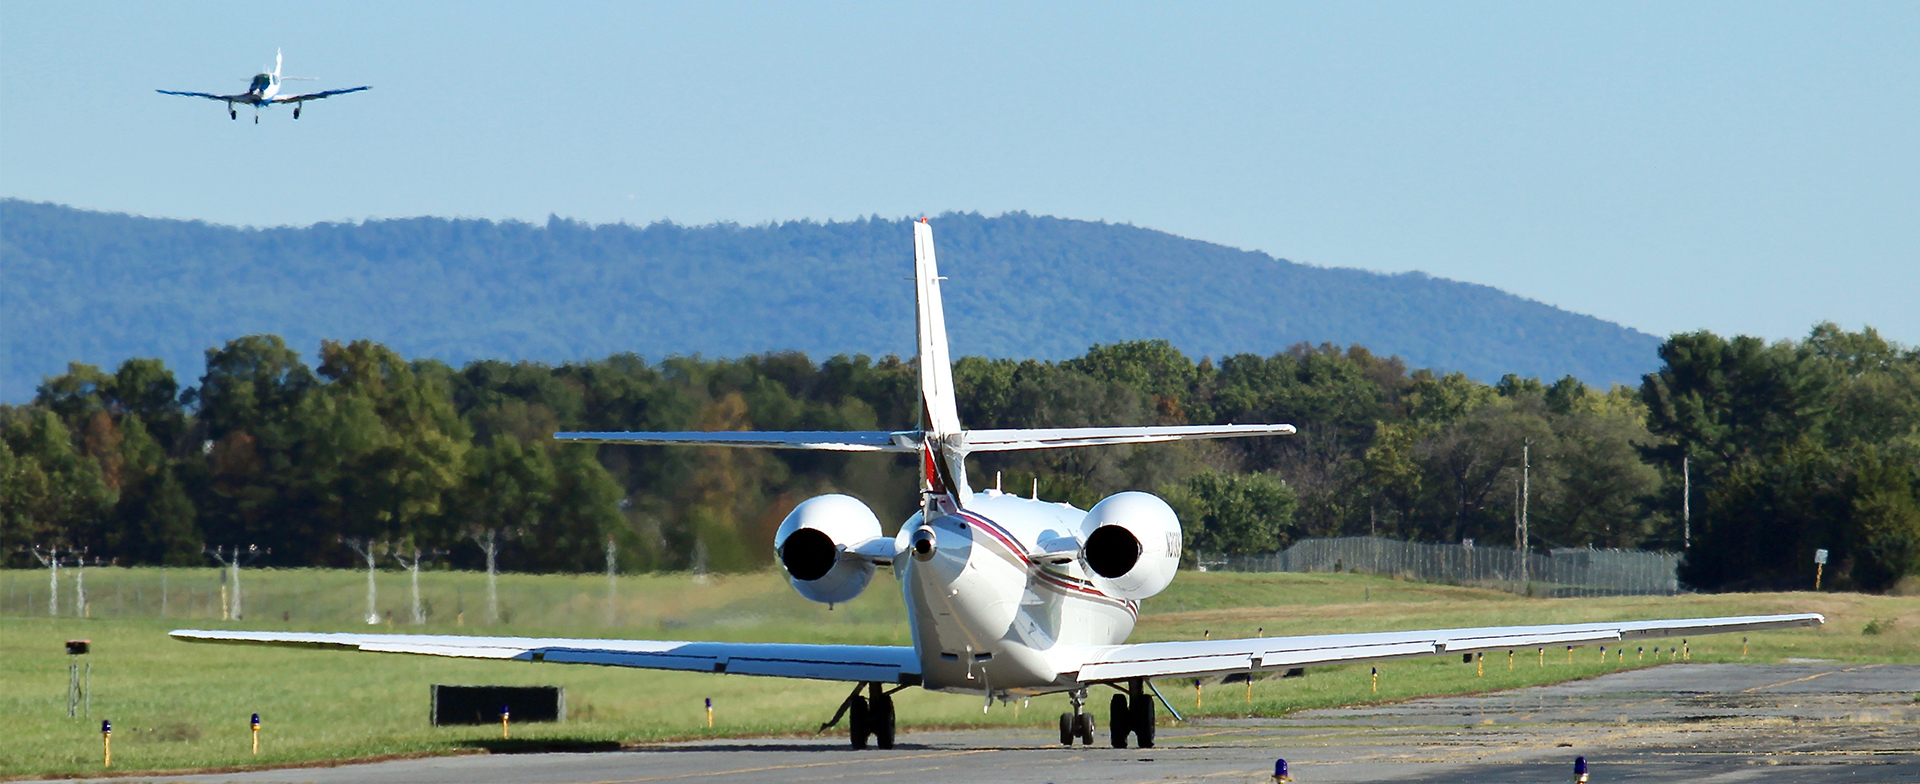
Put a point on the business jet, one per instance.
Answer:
(1007, 597)
(265, 91)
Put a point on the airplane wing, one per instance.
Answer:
(1223, 657)
(831, 440)
(1056, 438)
(858, 663)
(317, 96)
(235, 98)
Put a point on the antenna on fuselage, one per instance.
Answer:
(996, 482)
(1036, 488)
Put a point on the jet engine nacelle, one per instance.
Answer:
(815, 545)
(1132, 544)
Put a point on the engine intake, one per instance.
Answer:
(815, 545)
(1132, 544)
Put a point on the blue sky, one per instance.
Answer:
(1747, 168)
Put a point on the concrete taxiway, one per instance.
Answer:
(1697, 723)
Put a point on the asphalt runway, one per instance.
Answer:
(1697, 723)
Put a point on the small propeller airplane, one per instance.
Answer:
(1006, 597)
(265, 91)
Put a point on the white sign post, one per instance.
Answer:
(1819, 566)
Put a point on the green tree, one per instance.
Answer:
(1233, 514)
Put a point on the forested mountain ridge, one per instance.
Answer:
(97, 287)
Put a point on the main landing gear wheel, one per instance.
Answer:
(881, 717)
(1132, 713)
(1142, 720)
(869, 717)
(233, 114)
(859, 720)
(296, 112)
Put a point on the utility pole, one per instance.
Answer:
(1686, 502)
(1526, 474)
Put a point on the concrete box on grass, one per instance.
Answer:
(482, 704)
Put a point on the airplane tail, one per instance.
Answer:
(276, 63)
(936, 368)
(943, 461)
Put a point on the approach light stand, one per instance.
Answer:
(231, 560)
(489, 541)
(370, 551)
(613, 560)
(50, 558)
(79, 686)
(80, 609)
(413, 569)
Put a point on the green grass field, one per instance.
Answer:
(182, 706)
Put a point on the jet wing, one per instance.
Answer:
(831, 440)
(1055, 438)
(858, 663)
(317, 96)
(235, 98)
(1221, 657)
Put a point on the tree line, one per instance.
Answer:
(1786, 447)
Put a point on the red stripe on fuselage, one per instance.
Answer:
(1019, 553)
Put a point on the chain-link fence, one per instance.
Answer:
(1562, 572)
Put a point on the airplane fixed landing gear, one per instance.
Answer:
(1132, 713)
(869, 717)
(296, 111)
(233, 114)
(1079, 723)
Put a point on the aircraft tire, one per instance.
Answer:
(859, 721)
(882, 720)
(1066, 729)
(1119, 720)
(1083, 727)
(1142, 721)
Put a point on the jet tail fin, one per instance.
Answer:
(943, 462)
(936, 367)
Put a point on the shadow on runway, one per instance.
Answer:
(823, 748)
(542, 745)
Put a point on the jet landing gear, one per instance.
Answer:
(1079, 723)
(869, 717)
(1132, 713)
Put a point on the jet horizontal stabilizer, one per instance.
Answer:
(829, 440)
(1065, 437)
